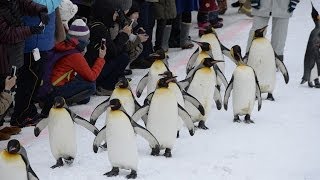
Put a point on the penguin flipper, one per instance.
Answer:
(101, 136)
(147, 135)
(186, 119)
(220, 75)
(192, 60)
(258, 92)
(40, 126)
(227, 94)
(141, 85)
(226, 52)
(194, 101)
(148, 98)
(30, 173)
(283, 69)
(102, 107)
(217, 97)
(142, 111)
(184, 83)
(83, 122)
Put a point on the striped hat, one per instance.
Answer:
(79, 30)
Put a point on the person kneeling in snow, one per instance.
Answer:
(72, 77)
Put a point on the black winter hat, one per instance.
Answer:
(134, 8)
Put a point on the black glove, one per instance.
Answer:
(292, 5)
(44, 17)
(36, 29)
(255, 4)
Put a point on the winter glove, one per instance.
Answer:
(44, 17)
(292, 5)
(36, 29)
(255, 4)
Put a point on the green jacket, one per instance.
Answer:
(164, 9)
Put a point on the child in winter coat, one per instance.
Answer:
(72, 77)
(208, 15)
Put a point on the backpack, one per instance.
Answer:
(46, 85)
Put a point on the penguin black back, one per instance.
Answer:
(13, 146)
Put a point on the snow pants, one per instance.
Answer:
(279, 32)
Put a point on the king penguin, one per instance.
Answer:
(264, 61)
(159, 66)
(14, 163)
(62, 136)
(163, 111)
(119, 133)
(122, 92)
(312, 57)
(245, 86)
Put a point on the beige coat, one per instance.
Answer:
(5, 102)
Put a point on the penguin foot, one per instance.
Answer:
(202, 125)
(132, 175)
(303, 81)
(155, 151)
(236, 119)
(317, 83)
(178, 134)
(310, 84)
(114, 172)
(270, 97)
(58, 164)
(69, 160)
(167, 153)
(104, 146)
(247, 119)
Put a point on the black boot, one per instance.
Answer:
(167, 153)
(132, 175)
(77, 97)
(235, 4)
(58, 164)
(114, 172)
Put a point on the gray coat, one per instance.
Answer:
(278, 8)
(164, 9)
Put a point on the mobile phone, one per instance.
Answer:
(132, 20)
(140, 31)
(13, 71)
(103, 43)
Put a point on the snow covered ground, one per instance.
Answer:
(283, 144)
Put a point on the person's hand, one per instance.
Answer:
(10, 82)
(44, 17)
(36, 29)
(102, 52)
(127, 29)
(143, 37)
(255, 4)
(292, 5)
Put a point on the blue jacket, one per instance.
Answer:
(187, 5)
(44, 41)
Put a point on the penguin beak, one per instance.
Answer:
(263, 29)
(216, 61)
(12, 149)
(163, 74)
(170, 80)
(197, 42)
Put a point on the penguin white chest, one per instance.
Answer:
(126, 99)
(262, 60)
(202, 88)
(120, 136)
(244, 89)
(12, 167)
(174, 88)
(62, 134)
(157, 68)
(163, 117)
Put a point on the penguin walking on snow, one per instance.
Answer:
(264, 61)
(159, 66)
(14, 163)
(163, 111)
(201, 83)
(119, 133)
(245, 86)
(62, 135)
(312, 57)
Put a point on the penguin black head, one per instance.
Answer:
(209, 29)
(115, 104)
(260, 32)
(236, 53)
(204, 45)
(168, 75)
(123, 83)
(13, 146)
(58, 102)
(209, 62)
(315, 15)
(164, 82)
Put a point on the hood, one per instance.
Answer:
(103, 12)
(67, 44)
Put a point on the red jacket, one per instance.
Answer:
(208, 5)
(75, 62)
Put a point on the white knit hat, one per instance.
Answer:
(67, 11)
(79, 29)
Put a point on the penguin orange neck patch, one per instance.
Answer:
(9, 157)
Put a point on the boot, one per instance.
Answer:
(10, 130)
(202, 27)
(4, 136)
(245, 8)
(166, 37)
(235, 4)
(77, 97)
(185, 43)
(222, 6)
